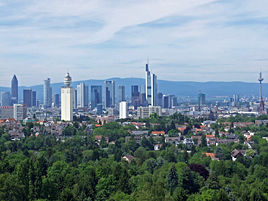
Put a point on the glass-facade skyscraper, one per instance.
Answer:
(201, 99)
(5, 99)
(151, 87)
(135, 96)
(109, 94)
(34, 100)
(27, 97)
(14, 90)
(121, 94)
(82, 95)
(56, 100)
(47, 93)
(96, 96)
(75, 98)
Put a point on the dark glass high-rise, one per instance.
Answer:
(14, 90)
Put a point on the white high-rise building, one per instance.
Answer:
(123, 111)
(20, 112)
(151, 87)
(67, 99)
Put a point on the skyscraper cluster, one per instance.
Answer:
(108, 99)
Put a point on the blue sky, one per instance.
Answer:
(186, 40)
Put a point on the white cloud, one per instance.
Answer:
(85, 36)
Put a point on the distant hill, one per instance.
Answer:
(178, 88)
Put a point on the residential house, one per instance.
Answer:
(160, 133)
(236, 153)
(128, 158)
(157, 147)
(211, 140)
(188, 142)
(173, 140)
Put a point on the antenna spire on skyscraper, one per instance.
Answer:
(147, 65)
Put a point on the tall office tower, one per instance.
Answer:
(142, 101)
(47, 93)
(96, 96)
(14, 90)
(75, 98)
(27, 97)
(174, 101)
(261, 109)
(166, 101)
(109, 94)
(123, 110)
(82, 96)
(135, 96)
(151, 86)
(5, 99)
(201, 100)
(235, 100)
(56, 100)
(159, 99)
(143, 89)
(67, 99)
(20, 112)
(121, 94)
(154, 90)
(34, 101)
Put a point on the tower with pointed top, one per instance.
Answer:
(151, 86)
(67, 99)
(261, 109)
(14, 90)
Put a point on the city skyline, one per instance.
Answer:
(185, 40)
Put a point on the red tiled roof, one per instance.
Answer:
(158, 132)
(98, 137)
(211, 155)
(209, 136)
(198, 130)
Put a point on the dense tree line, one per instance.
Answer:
(76, 169)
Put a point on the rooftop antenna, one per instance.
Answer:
(147, 65)
(261, 98)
